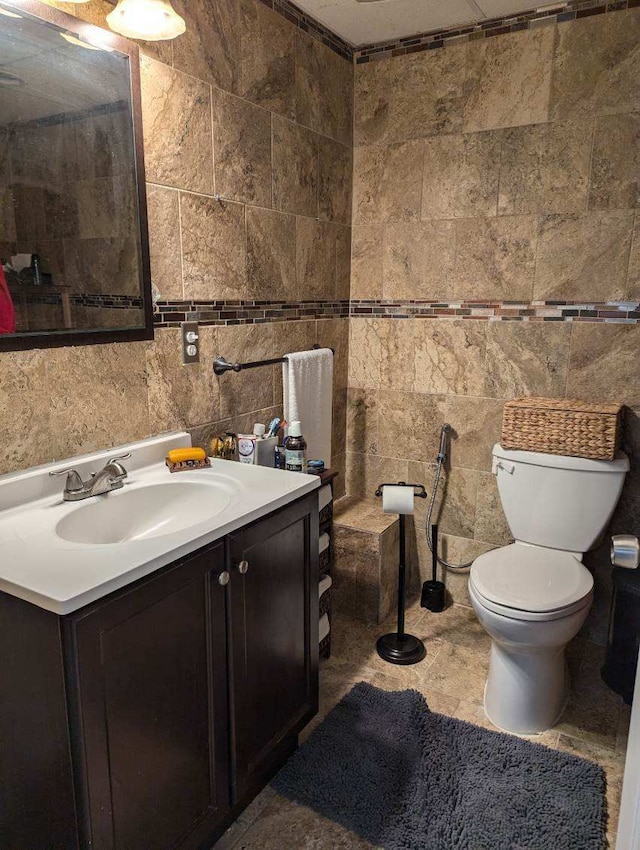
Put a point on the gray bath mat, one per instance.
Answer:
(404, 778)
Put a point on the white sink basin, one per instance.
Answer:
(64, 555)
(142, 513)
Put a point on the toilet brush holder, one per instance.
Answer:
(433, 592)
(399, 647)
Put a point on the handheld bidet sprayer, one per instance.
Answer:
(444, 437)
(445, 432)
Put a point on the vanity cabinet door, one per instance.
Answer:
(273, 629)
(149, 673)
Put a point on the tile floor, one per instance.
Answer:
(452, 678)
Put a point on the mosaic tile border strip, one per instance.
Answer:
(80, 299)
(113, 302)
(564, 11)
(623, 312)
(314, 28)
(169, 314)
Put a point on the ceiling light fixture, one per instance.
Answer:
(150, 20)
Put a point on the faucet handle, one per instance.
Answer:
(74, 481)
(120, 457)
(115, 461)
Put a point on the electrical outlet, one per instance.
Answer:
(190, 343)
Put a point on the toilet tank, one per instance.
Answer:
(557, 501)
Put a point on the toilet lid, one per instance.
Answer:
(531, 578)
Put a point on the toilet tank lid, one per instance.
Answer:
(583, 464)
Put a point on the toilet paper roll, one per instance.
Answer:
(397, 500)
(324, 584)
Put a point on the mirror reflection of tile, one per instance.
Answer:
(69, 243)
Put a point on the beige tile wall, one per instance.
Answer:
(505, 169)
(248, 107)
(502, 169)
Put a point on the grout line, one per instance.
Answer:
(594, 123)
(212, 118)
(569, 347)
(500, 164)
(271, 147)
(553, 72)
(181, 245)
(216, 197)
(632, 239)
(245, 252)
(585, 739)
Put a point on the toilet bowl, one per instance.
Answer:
(533, 596)
(527, 687)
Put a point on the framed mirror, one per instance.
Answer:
(74, 245)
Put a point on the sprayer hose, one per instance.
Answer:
(454, 568)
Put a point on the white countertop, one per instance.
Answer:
(37, 565)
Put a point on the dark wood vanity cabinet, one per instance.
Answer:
(273, 640)
(163, 708)
(148, 673)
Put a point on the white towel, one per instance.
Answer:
(324, 585)
(325, 495)
(323, 628)
(323, 542)
(307, 382)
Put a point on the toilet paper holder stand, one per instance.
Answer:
(421, 494)
(398, 647)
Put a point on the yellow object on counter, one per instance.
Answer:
(181, 455)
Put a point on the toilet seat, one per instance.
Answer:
(530, 582)
(529, 616)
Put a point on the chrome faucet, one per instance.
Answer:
(110, 477)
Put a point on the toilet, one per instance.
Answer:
(533, 595)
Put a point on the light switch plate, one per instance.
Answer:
(190, 343)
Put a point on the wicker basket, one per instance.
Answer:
(562, 427)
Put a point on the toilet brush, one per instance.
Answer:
(433, 591)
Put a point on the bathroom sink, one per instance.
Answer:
(144, 512)
(63, 554)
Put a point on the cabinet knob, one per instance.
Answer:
(224, 577)
(243, 567)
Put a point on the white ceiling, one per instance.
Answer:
(362, 22)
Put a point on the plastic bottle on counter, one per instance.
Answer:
(296, 449)
(247, 448)
(280, 456)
